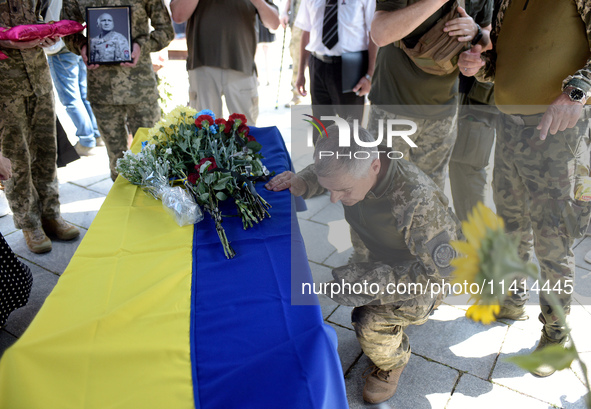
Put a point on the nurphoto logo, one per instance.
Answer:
(402, 128)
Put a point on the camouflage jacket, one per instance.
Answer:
(24, 72)
(111, 47)
(113, 84)
(580, 79)
(406, 224)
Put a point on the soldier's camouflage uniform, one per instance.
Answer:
(434, 138)
(27, 124)
(112, 47)
(123, 97)
(406, 224)
(534, 182)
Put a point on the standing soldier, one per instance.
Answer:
(126, 94)
(288, 17)
(27, 130)
(542, 73)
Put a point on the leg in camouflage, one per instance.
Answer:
(434, 139)
(113, 121)
(534, 187)
(380, 329)
(28, 140)
(469, 160)
(294, 51)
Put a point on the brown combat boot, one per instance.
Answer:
(380, 385)
(60, 229)
(512, 312)
(37, 241)
(544, 370)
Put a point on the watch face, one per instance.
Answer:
(576, 95)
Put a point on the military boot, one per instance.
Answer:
(512, 312)
(546, 370)
(37, 241)
(380, 385)
(60, 229)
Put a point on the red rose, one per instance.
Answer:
(250, 138)
(243, 130)
(237, 117)
(211, 167)
(201, 118)
(193, 177)
(227, 126)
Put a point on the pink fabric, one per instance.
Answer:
(28, 32)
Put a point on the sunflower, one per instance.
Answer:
(483, 313)
(488, 257)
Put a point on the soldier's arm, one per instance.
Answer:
(163, 32)
(71, 11)
(582, 78)
(392, 23)
(182, 10)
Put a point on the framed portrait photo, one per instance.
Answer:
(109, 34)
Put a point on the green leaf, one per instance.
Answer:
(556, 356)
(203, 197)
(221, 196)
(254, 145)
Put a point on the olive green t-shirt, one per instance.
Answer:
(398, 81)
(537, 48)
(222, 34)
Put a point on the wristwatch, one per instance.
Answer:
(576, 94)
(478, 35)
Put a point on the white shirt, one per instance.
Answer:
(354, 18)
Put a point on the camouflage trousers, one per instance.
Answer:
(115, 122)
(468, 165)
(380, 329)
(27, 129)
(534, 182)
(434, 139)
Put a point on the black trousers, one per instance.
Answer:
(326, 92)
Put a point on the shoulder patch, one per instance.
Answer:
(442, 253)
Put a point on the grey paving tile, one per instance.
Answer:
(561, 389)
(582, 286)
(315, 238)
(330, 213)
(102, 186)
(342, 316)
(55, 261)
(423, 385)
(472, 392)
(451, 338)
(6, 340)
(314, 205)
(321, 274)
(7, 224)
(43, 283)
(579, 321)
(79, 205)
(87, 170)
(348, 347)
(339, 258)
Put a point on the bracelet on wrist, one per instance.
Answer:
(368, 77)
(478, 35)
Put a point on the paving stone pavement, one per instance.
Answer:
(455, 362)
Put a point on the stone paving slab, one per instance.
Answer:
(318, 250)
(55, 261)
(342, 316)
(423, 385)
(451, 338)
(348, 347)
(561, 388)
(314, 205)
(79, 205)
(473, 392)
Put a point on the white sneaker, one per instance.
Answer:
(4, 208)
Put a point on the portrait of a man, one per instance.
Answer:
(106, 44)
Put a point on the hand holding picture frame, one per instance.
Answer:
(109, 34)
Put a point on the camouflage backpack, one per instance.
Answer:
(437, 52)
